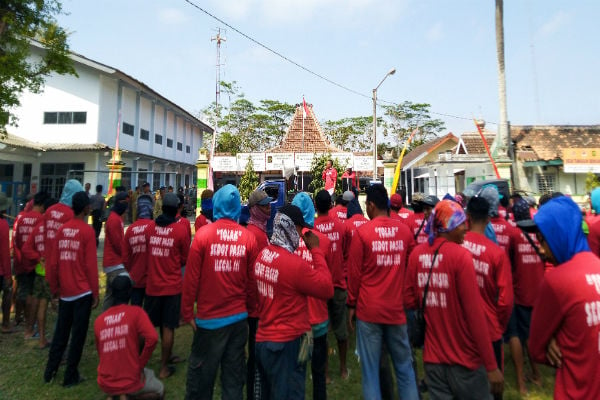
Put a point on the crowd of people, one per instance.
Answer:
(458, 277)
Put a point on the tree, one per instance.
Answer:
(403, 118)
(316, 170)
(248, 182)
(20, 22)
(591, 182)
(350, 134)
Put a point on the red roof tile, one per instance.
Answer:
(533, 143)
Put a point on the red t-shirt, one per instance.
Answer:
(405, 212)
(417, 224)
(33, 249)
(494, 280)
(456, 331)
(135, 252)
(340, 212)
(118, 331)
(73, 266)
(329, 175)
(168, 249)
(22, 229)
(113, 240)
(506, 235)
(284, 283)
(5, 269)
(218, 275)
(339, 239)
(593, 237)
(262, 240)
(317, 308)
(528, 270)
(188, 227)
(567, 309)
(54, 218)
(355, 222)
(376, 266)
(201, 220)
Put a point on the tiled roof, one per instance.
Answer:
(314, 139)
(533, 143)
(427, 148)
(474, 144)
(19, 142)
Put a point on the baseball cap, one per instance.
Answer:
(294, 213)
(170, 200)
(259, 197)
(348, 196)
(396, 200)
(430, 200)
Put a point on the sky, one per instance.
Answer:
(444, 54)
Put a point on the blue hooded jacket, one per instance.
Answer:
(227, 203)
(559, 220)
(71, 187)
(595, 200)
(305, 204)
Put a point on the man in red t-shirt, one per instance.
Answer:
(219, 281)
(119, 331)
(349, 180)
(340, 210)
(72, 272)
(493, 272)
(259, 205)
(458, 349)
(376, 266)
(565, 325)
(167, 246)
(339, 239)
(135, 249)
(206, 210)
(284, 282)
(329, 176)
(112, 259)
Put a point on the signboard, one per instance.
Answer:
(304, 161)
(258, 161)
(276, 161)
(363, 163)
(224, 164)
(581, 160)
(345, 159)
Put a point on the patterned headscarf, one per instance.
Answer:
(520, 209)
(284, 233)
(446, 216)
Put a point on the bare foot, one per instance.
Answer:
(536, 380)
(345, 374)
(166, 372)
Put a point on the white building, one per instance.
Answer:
(70, 130)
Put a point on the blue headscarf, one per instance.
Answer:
(305, 204)
(559, 220)
(595, 200)
(71, 187)
(227, 204)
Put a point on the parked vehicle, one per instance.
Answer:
(474, 188)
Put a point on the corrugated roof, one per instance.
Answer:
(537, 143)
(314, 139)
(19, 142)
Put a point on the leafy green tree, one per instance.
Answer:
(248, 182)
(403, 118)
(350, 134)
(20, 22)
(316, 171)
(591, 182)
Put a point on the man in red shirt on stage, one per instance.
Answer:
(168, 247)
(376, 266)
(329, 176)
(458, 349)
(119, 332)
(565, 325)
(493, 272)
(112, 259)
(219, 280)
(284, 283)
(349, 180)
(72, 272)
(135, 249)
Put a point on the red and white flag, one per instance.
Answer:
(304, 108)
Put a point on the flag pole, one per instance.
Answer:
(399, 163)
(487, 148)
(114, 156)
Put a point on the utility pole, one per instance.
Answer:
(218, 39)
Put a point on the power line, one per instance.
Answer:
(305, 68)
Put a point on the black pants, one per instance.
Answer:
(97, 223)
(253, 386)
(73, 319)
(317, 366)
(211, 348)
